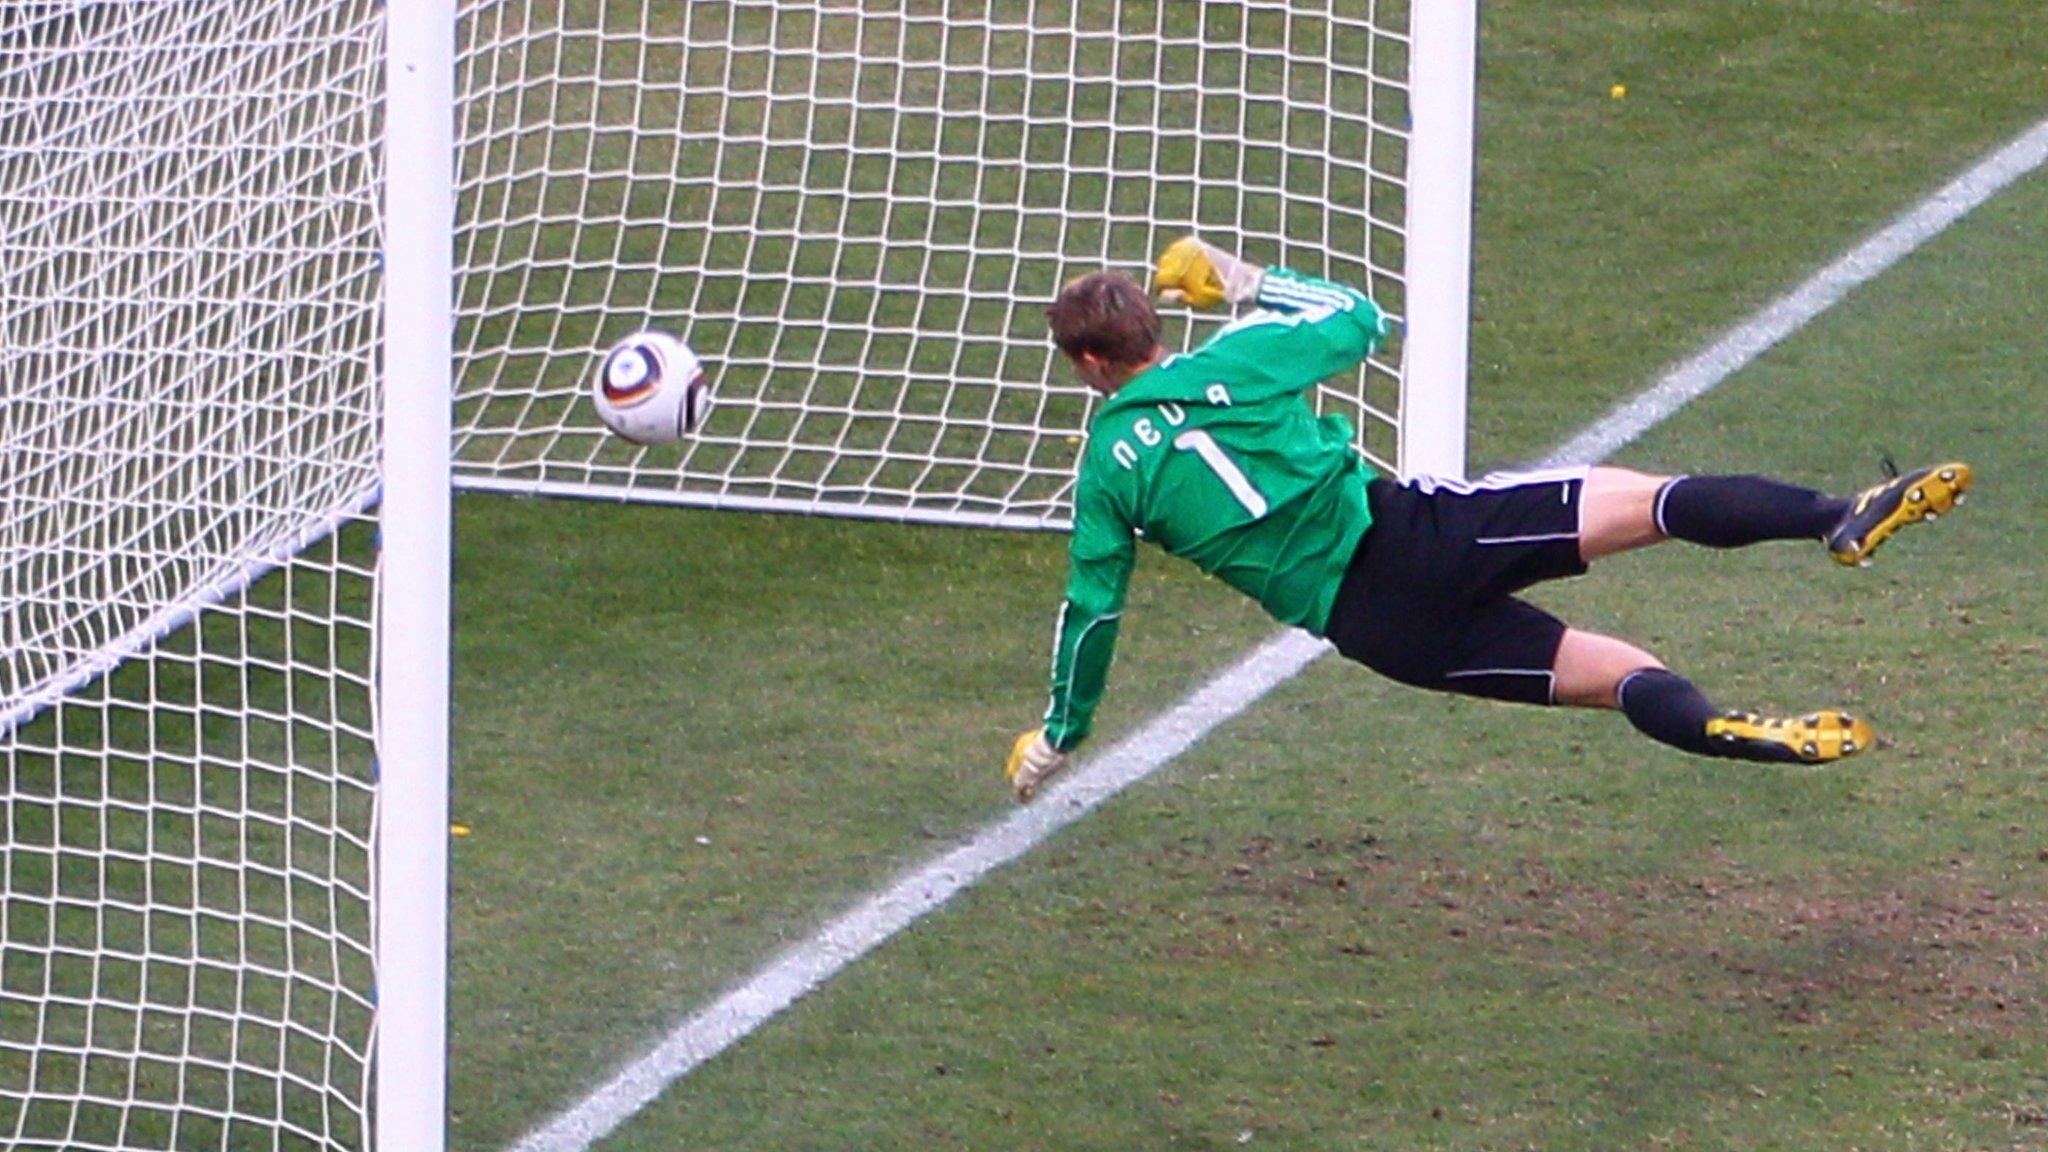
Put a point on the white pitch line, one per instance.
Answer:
(855, 933)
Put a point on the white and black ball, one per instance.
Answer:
(650, 389)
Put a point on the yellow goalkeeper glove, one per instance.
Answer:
(1202, 275)
(1033, 759)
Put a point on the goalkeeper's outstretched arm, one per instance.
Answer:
(1100, 557)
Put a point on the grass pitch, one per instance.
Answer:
(1358, 916)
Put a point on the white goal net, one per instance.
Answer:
(190, 197)
(858, 211)
(224, 433)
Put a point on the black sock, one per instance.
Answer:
(1731, 511)
(1667, 708)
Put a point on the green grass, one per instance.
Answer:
(695, 820)
(1757, 141)
(1358, 916)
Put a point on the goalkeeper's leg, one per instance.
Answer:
(1625, 509)
(1596, 671)
(1622, 509)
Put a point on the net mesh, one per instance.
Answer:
(189, 201)
(857, 213)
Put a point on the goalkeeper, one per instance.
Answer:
(1216, 456)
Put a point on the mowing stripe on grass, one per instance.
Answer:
(737, 1013)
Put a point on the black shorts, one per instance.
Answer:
(1428, 598)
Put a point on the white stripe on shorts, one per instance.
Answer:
(1550, 690)
(1498, 481)
(1527, 539)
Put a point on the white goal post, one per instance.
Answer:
(857, 213)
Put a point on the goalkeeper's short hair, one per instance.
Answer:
(1107, 315)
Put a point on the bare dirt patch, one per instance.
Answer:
(1949, 947)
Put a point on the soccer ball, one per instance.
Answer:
(650, 389)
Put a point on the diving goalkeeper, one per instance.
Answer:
(1216, 456)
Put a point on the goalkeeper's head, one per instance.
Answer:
(1106, 325)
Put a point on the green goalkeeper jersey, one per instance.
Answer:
(1217, 456)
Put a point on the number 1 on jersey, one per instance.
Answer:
(1204, 445)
